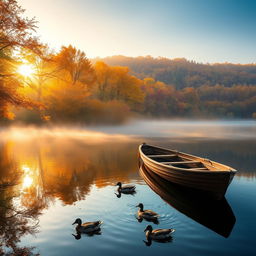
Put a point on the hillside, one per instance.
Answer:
(183, 73)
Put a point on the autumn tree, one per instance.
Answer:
(76, 65)
(16, 32)
(189, 96)
(68, 91)
(160, 99)
(115, 83)
(184, 73)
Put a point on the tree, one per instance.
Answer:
(76, 64)
(66, 101)
(115, 83)
(160, 98)
(68, 90)
(16, 32)
(44, 71)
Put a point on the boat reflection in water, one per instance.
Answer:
(216, 215)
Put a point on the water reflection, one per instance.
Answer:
(119, 193)
(215, 215)
(59, 174)
(155, 221)
(16, 220)
(79, 235)
(27, 179)
(66, 169)
(149, 241)
(36, 172)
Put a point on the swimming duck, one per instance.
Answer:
(87, 227)
(126, 188)
(158, 234)
(146, 214)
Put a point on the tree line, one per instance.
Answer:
(183, 73)
(68, 87)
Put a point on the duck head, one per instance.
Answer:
(78, 221)
(148, 228)
(140, 205)
(119, 184)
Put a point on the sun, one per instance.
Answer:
(27, 182)
(26, 70)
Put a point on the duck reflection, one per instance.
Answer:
(147, 215)
(158, 235)
(125, 189)
(87, 228)
(78, 234)
(119, 193)
(155, 221)
(215, 215)
(148, 242)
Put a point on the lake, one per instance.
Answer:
(51, 176)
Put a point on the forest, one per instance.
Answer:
(183, 73)
(39, 85)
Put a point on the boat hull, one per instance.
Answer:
(216, 215)
(214, 183)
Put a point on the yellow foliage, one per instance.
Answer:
(65, 100)
(9, 115)
(115, 83)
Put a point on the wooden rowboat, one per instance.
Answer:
(188, 170)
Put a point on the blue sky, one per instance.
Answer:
(201, 30)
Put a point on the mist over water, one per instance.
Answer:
(142, 129)
(184, 129)
(60, 173)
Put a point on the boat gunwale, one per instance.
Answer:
(229, 169)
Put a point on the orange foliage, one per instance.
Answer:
(115, 83)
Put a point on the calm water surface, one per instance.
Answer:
(50, 177)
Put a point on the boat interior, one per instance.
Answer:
(174, 158)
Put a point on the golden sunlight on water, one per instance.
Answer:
(65, 164)
(27, 181)
(65, 167)
(65, 173)
(30, 133)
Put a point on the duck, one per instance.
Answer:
(146, 214)
(87, 227)
(158, 234)
(128, 189)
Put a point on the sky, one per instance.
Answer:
(207, 31)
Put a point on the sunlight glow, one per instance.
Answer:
(26, 169)
(26, 70)
(27, 182)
